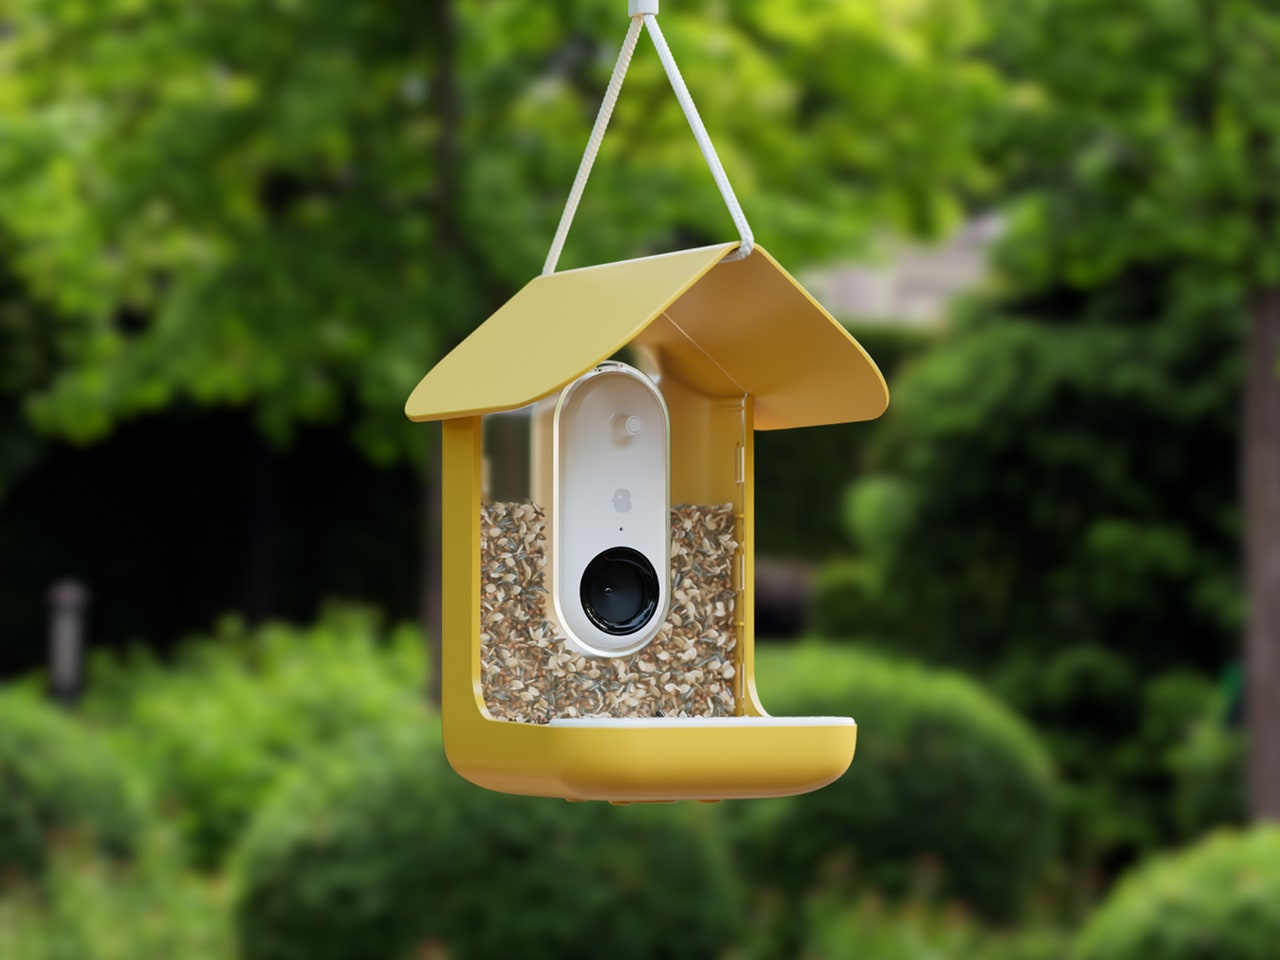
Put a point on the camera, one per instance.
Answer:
(611, 511)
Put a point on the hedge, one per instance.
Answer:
(57, 781)
(91, 908)
(217, 727)
(380, 851)
(1217, 899)
(948, 787)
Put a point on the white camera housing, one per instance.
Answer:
(611, 515)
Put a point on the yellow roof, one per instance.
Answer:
(724, 328)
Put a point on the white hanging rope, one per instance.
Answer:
(643, 14)
(593, 144)
(704, 140)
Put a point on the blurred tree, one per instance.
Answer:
(1051, 508)
(1062, 487)
(296, 207)
(1159, 142)
(27, 362)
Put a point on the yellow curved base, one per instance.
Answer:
(736, 758)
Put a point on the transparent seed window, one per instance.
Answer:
(611, 535)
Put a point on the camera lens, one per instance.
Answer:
(619, 591)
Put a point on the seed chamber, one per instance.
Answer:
(529, 672)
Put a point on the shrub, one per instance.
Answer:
(856, 598)
(1169, 770)
(57, 780)
(799, 520)
(1208, 768)
(380, 850)
(948, 788)
(1216, 899)
(847, 601)
(839, 599)
(871, 928)
(1210, 775)
(218, 727)
(91, 909)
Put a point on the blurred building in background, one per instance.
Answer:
(915, 284)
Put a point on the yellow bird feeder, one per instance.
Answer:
(593, 663)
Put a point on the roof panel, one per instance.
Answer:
(769, 336)
(554, 330)
(726, 328)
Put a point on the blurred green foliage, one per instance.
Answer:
(948, 789)
(231, 715)
(281, 207)
(27, 362)
(802, 519)
(1051, 505)
(868, 928)
(1216, 899)
(299, 206)
(1209, 774)
(378, 849)
(361, 842)
(1031, 487)
(58, 784)
(92, 909)
(843, 605)
(1051, 500)
(1142, 136)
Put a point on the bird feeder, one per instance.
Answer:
(598, 525)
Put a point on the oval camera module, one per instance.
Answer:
(619, 591)
(609, 576)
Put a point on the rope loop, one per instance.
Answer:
(643, 15)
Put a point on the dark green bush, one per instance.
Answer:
(218, 727)
(1208, 765)
(1209, 771)
(948, 787)
(381, 852)
(1169, 771)
(846, 601)
(799, 521)
(855, 597)
(1056, 478)
(1215, 900)
(57, 780)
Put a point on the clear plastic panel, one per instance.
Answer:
(530, 670)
